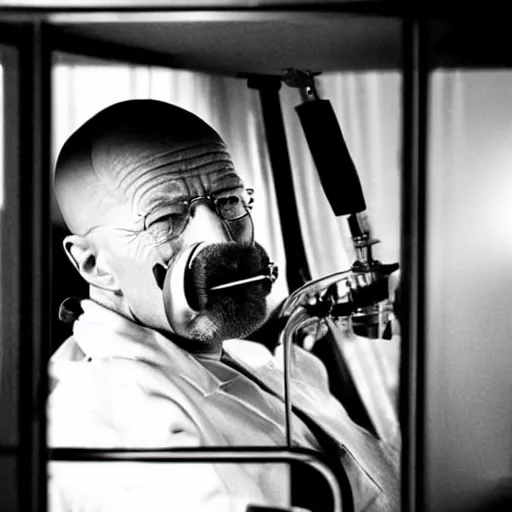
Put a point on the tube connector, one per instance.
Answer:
(303, 80)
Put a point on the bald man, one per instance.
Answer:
(162, 233)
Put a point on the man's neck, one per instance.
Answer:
(210, 356)
(197, 348)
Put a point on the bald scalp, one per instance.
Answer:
(106, 164)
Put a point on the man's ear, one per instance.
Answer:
(84, 258)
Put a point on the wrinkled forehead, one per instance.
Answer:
(147, 173)
(120, 193)
(163, 187)
(128, 162)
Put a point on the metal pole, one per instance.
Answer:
(414, 168)
(217, 454)
(34, 138)
(297, 269)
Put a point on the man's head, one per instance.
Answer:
(138, 185)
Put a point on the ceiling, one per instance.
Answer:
(240, 43)
(241, 37)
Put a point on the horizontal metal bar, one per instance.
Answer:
(39, 7)
(191, 15)
(206, 455)
(199, 454)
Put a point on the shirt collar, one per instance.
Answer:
(101, 333)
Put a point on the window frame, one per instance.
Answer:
(35, 44)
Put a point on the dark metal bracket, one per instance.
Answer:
(297, 269)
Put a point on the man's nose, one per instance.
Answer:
(205, 225)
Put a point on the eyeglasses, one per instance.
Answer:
(170, 220)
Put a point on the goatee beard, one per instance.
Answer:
(233, 312)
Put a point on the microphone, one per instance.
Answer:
(332, 159)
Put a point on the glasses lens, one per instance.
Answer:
(232, 206)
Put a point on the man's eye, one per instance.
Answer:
(231, 207)
(167, 226)
(228, 202)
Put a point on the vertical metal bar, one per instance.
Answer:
(9, 282)
(34, 198)
(297, 269)
(9, 251)
(414, 168)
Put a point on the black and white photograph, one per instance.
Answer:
(255, 256)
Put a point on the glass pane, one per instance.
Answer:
(192, 393)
